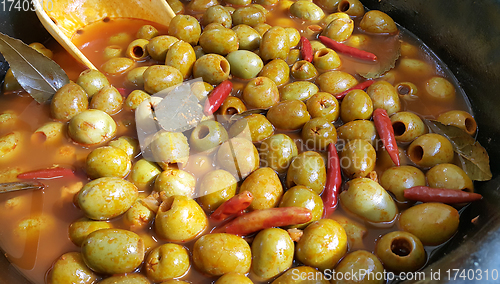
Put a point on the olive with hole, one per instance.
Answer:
(353, 8)
(358, 158)
(339, 29)
(356, 105)
(244, 64)
(147, 32)
(217, 14)
(307, 169)
(159, 45)
(323, 105)
(93, 198)
(207, 136)
(449, 176)
(138, 216)
(167, 262)
(326, 59)
(294, 276)
(318, 132)
(212, 68)
(272, 253)
(407, 126)
(358, 199)
(335, 82)
(160, 77)
(255, 127)
(117, 66)
(323, 244)
(70, 268)
(92, 81)
(307, 10)
(406, 90)
(400, 251)
(220, 41)
(397, 179)
(233, 277)
(113, 251)
(274, 44)
(137, 50)
(68, 101)
(358, 129)
(302, 196)
(170, 147)
(175, 182)
(238, 156)
(265, 186)
(248, 37)
(277, 152)
(135, 278)
(378, 22)
(289, 115)
(180, 219)
(186, 28)
(108, 99)
(384, 96)
(231, 106)
(181, 56)
(460, 119)
(216, 187)
(303, 70)
(430, 149)
(363, 264)
(249, 15)
(81, 228)
(221, 253)
(276, 70)
(91, 127)
(261, 92)
(107, 161)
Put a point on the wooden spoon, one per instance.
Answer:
(63, 18)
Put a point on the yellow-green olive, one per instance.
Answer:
(289, 115)
(277, 152)
(137, 50)
(231, 106)
(117, 65)
(249, 15)
(10, 82)
(355, 231)
(358, 157)
(326, 59)
(248, 37)
(217, 14)
(92, 127)
(293, 36)
(50, 132)
(397, 179)
(302, 196)
(68, 101)
(107, 161)
(266, 188)
(160, 77)
(356, 105)
(307, 169)
(358, 129)
(186, 28)
(108, 99)
(92, 81)
(238, 156)
(207, 136)
(159, 45)
(307, 10)
(170, 147)
(262, 28)
(112, 51)
(147, 32)
(233, 277)
(300, 90)
(144, 172)
(339, 29)
(324, 105)
(449, 176)
(317, 45)
(351, 7)
(201, 5)
(42, 49)
(384, 95)
(415, 67)
(244, 64)
(8, 144)
(303, 70)
(255, 127)
(272, 253)
(128, 144)
(261, 92)
(440, 89)
(276, 70)
(400, 251)
(430, 149)
(460, 119)
(70, 268)
(335, 82)
(175, 182)
(181, 56)
(134, 99)
(407, 126)
(81, 228)
(300, 275)
(361, 263)
(166, 262)
(135, 278)
(328, 5)
(318, 132)
(293, 56)
(274, 44)
(216, 187)
(212, 68)
(138, 216)
(122, 38)
(375, 21)
(220, 41)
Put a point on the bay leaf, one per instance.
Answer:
(39, 75)
(388, 50)
(473, 157)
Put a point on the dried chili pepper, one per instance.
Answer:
(217, 97)
(333, 182)
(443, 195)
(306, 49)
(349, 50)
(47, 173)
(233, 206)
(360, 86)
(386, 132)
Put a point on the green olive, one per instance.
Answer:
(134, 278)
(201, 5)
(134, 99)
(92, 81)
(68, 101)
(266, 188)
(220, 41)
(112, 51)
(324, 105)
(233, 277)
(244, 64)
(277, 152)
(201, 90)
(128, 144)
(81, 228)
(207, 136)
(137, 50)
(217, 14)
(359, 200)
(323, 244)
(108, 161)
(430, 149)
(432, 223)
(326, 59)
(306, 10)
(117, 65)
(231, 106)
(181, 56)
(238, 156)
(293, 36)
(339, 29)
(108, 99)
(175, 182)
(180, 219)
(358, 129)
(317, 45)
(213, 68)
(169, 148)
(10, 82)
(302, 196)
(300, 274)
(272, 253)
(138, 216)
(159, 45)
(249, 15)
(216, 187)
(289, 115)
(328, 5)
(166, 262)
(135, 77)
(113, 251)
(186, 28)
(160, 77)
(42, 49)
(318, 132)
(276, 70)
(449, 176)
(147, 32)
(407, 126)
(335, 82)
(397, 179)
(70, 268)
(218, 254)
(248, 37)
(307, 169)
(460, 119)
(351, 7)
(363, 264)
(355, 231)
(375, 21)
(356, 105)
(91, 127)
(262, 28)
(358, 157)
(255, 127)
(293, 56)
(440, 89)
(303, 70)
(122, 38)
(400, 251)
(385, 96)
(261, 92)
(274, 44)
(415, 68)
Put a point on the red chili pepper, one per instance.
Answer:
(47, 173)
(443, 195)
(217, 97)
(333, 182)
(124, 92)
(266, 218)
(386, 132)
(360, 86)
(233, 206)
(306, 49)
(349, 50)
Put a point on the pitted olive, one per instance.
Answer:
(117, 65)
(326, 59)
(231, 106)
(324, 105)
(266, 188)
(335, 82)
(407, 126)
(276, 70)
(356, 105)
(220, 41)
(138, 216)
(397, 179)
(289, 115)
(353, 8)
(207, 136)
(70, 268)
(170, 147)
(112, 51)
(81, 228)
(217, 14)
(233, 277)
(147, 32)
(318, 132)
(303, 70)
(92, 81)
(358, 129)
(375, 21)
(160, 77)
(339, 29)
(175, 182)
(91, 127)
(238, 156)
(261, 92)
(307, 169)
(166, 262)
(430, 149)
(363, 264)
(449, 176)
(293, 56)
(307, 10)
(274, 44)
(400, 251)
(181, 56)
(108, 99)
(302, 196)
(249, 15)
(385, 96)
(216, 187)
(460, 119)
(134, 99)
(262, 28)
(277, 152)
(358, 157)
(272, 253)
(255, 127)
(159, 45)
(299, 90)
(68, 101)
(137, 50)
(107, 161)
(128, 144)
(213, 68)
(248, 37)
(186, 28)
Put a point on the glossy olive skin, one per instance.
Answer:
(207, 136)
(318, 132)
(220, 41)
(186, 28)
(138, 215)
(113, 251)
(216, 187)
(400, 251)
(232, 277)
(241, 150)
(449, 176)
(249, 15)
(137, 50)
(244, 64)
(440, 89)
(430, 149)
(356, 105)
(107, 161)
(261, 92)
(175, 182)
(92, 81)
(277, 152)
(323, 105)
(323, 244)
(201, 5)
(93, 198)
(108, 99)
(397, 179)
(359, 200)
(303, 70)
(147, 32)
(254, 127)
(326, 59)
(181, 56)
(159, 45)
(378, 22)
(266, 188)
(218, 254)
(128, 144)
(302, 196)
(306, 10)
(180, 219)
(166, 262)
(293, 56)
(299, 90)
(112, 51)
(217, 14)
(358, 157)
(262, 28)
(355, 231)
(248, 37)
(134, 278)
(213, 68)
(170, 147)
(276, 70)
(460, 119)
(144, 172)
(385, 96)
(68, 101)
(335, 82)
(160, 77)
(307, 169)
(91, 127)
(407, 126)
(117, 65)
(358, 129)
(299, 275)
(289, 115)
(134, 99)
(363, 263)
(81, 228)
(274, 44)
(70, 268)
(272, 253)
(231, 106)
(339, 29)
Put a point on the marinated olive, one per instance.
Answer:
(217, 14)
(108, 99)
(166, 262)
(213, 68)
(261, 92)
(248, 37)
(400, 251)
(289, 115)
(68, 101)
(265, 186)
(138, 216)
(272, 253)
(92, 81)
(407, 126)
(186, 28)
(244, 64)
(375, 21)
(324, 105)
(92, 127)
(10, 82)
(160, 77)
(326, 59)
(147, 32)
(293, 36)
(355, 231)
(201, 90)
(299, 274)
(255, 126)
(318, 132)
(128, 144)
(249, 15)
(351, 7)
(134, 99)
(329, 5)
(207, 136)
(460, 119)
(415, 67)
(117, 65)
(274, 44)
(70, 268)
(384, 95)
(307, 10)
(137, 50)
(8, 144)
(335, 82)
(302, 196)
(112, 51)
(307, 169)
(449, 176)
(430, 149)
(220, 41)
(303, 70)
(277, 152)
(358, 157)
(233, 277)
(201, 5)
(216, 187)
(293, 56)
(397, 179)
(181, 56)
(170, 147)
(134, 278)
(238, 156)
(262, 29)
(440, 89)
(159, 45)
(175, 182)
(276, 70)
(81, 228)
(358, 129)
(360, 263)
(232, 106)
(108, 161)
(356, 105)
(339, 29)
